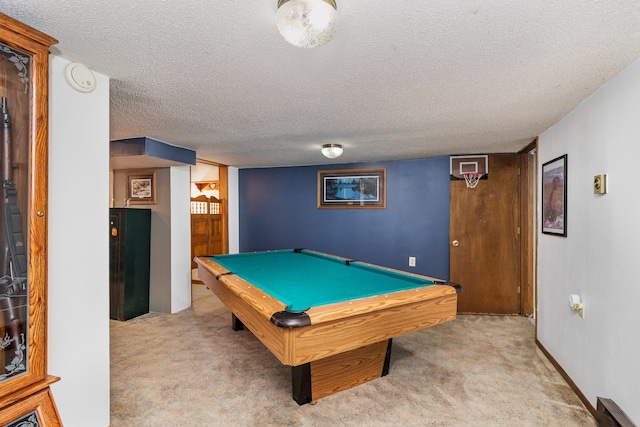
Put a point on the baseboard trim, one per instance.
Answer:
(569, 381)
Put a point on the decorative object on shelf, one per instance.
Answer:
(554, 196)
(352, 188)
(307, 23)
(207, 185)
(141, 188)
(332, 151)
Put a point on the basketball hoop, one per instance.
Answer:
(472, 178)
(471, 168)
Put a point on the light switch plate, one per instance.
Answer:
(600, 184)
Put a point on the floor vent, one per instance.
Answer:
(610, 415)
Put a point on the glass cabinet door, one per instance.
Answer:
(24, 102)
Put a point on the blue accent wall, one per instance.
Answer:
(278, 210)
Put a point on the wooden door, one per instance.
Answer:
(207, 227)
(216, 226)
(484, 222)
(200, 228)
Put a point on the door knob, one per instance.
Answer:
(455, 243)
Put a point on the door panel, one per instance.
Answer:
(484, 222)
(207, 227)
(200, 236)
(215, 247)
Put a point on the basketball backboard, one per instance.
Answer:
(476, 164)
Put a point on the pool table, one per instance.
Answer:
(330, 318)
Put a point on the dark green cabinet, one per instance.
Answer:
(129, 255)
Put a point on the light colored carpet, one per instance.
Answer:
(191, 369)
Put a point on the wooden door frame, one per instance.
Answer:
(528, 220)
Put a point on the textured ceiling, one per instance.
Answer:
(400, 80)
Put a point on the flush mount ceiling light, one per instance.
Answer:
(332, 151)
(307, 23)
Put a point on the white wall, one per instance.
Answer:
(180, 238)
(160, 274)
(79, 249)
(233, 211)
(600, 257)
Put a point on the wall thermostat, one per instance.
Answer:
(80, 77)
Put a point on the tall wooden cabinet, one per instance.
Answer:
(25, 396)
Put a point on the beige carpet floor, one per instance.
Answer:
(191, 369)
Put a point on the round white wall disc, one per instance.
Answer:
(80, 77)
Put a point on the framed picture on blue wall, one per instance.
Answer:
(352, 188)
(554, 196)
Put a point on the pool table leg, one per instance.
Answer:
(360, 365)
(236, 324)
(301, 383)
(387, 359)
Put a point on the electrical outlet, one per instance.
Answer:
(412, 261)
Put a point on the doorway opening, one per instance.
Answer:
(209, 215)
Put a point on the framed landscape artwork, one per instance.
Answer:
(554, 196)
(141, 188)
(352, 188)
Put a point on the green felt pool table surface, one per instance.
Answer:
(303, 279)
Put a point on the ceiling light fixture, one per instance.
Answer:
(332, 151)
(307, 23)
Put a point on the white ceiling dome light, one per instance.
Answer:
(332, 151)
(307, 23)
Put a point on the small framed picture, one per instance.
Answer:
(554, 196)
(352, 188)
(141, 188)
